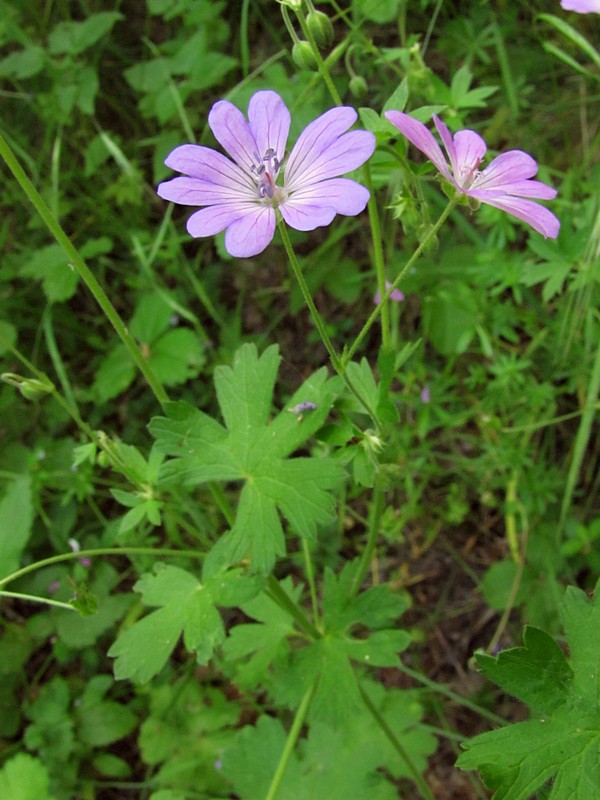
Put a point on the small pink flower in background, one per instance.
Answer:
(76, 547)
(242, 196)
(505, 183)
(425, 395)
(582, 6)
(396, 295)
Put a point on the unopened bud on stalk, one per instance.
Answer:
(358, 86)
(30, 388)
(321, 28)
(303, 55)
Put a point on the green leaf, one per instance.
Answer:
(381, 11)
(263, 643)
(100, 721)
(254, 449)
(562, 744)
(114, 375)
(23, 64)
(450, 318)
(75, 37)
(328, 659)
(177, 356)
(183, 737)
(8, 336)
(359, 758)
(185, 606)
(24, 778)
(538, 673)
(16, 519)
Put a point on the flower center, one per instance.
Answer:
(265, 171)
(469, 173)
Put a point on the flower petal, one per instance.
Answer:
(421, 137)
(269, 122)
(312, 206)
(214, 219)
(536, 189)
(208, 165)
(194, 192)
(315, 139)
(540, 219)
(231, 130)
(343, 155)
(250, 234)
(506, 170)
(582, 6)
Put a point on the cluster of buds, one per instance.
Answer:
(316, 29)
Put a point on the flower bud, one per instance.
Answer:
(358, 86)
(321, 28)
(30, 388)
(303, 55)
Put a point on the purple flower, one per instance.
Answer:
(425, 395)
(242, 196)
(582, 6)
(505, 183)
(396, 295)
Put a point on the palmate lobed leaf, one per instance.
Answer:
(186, 606)
(254, 449)
(563, 744)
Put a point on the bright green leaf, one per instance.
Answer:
(24, 778)
(562, 744)
(16, 518)
(254, 449)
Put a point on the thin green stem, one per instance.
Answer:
(365, 561)
(319, 324)
(378, 258)
(310, 575)
(418, 252)
(32, 598)
(397, 745)
(291, 741)
(581, 442)
(336, 362)
(55, 356)
(100, 551)
(83, 271)
(279, 596)
(439, 688)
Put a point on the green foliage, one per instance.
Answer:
(354, 754)
(562, 742)
(258, 566)
(25, 778)
(16, 517)
(256, 450)
(185, 606)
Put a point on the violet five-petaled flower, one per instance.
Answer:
(582, 6)
(396, 295)
(505, 183)
(243, 197)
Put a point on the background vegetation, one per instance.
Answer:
(485, 468)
